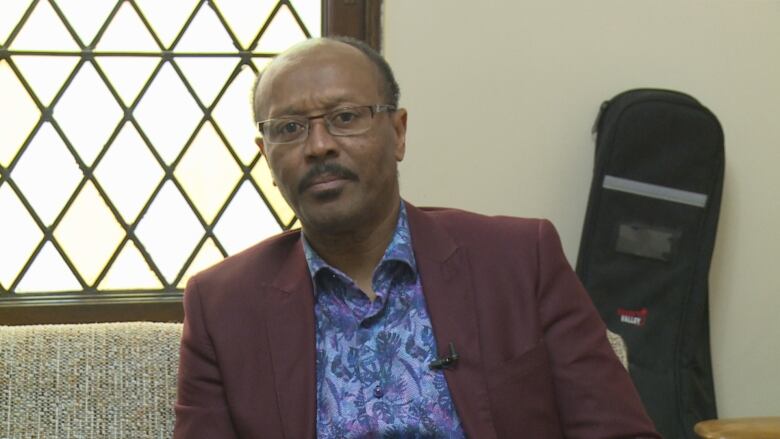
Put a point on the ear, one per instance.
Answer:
(399, 126)
(261, 145)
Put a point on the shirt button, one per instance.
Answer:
(378, 392)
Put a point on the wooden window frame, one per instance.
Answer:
(360, 19)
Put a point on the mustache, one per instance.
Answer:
(319, 169)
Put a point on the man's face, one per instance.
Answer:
(333, 183)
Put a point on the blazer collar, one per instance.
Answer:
(449, 295)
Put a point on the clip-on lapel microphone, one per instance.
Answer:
(445, 362)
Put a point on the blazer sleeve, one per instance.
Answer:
(201, 408)
(595, 394)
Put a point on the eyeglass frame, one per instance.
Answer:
(375, 109)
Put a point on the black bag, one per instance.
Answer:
(647, 242)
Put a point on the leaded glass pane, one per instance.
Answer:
(282, 33)
(87, 113)
(86, 16)
(261, 63)
(246, 221)
(127, 33)
(245, 18)
(129, 173)
(89, 234)
(168, 114)
(207, 256)
(167, 16)
(207, 76)
(45, 74)
(10, 13)
(48, 273)
(18, 234)
(18, 114)
(310, 12)
(154, 97)
(128, 74)
(233, 114)
(208, 172)
(205, 34)
(47, 156)
(44, 30)
(169, 231)
(262, 176)
(130, 272)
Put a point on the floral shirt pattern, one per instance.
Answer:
(373, 379)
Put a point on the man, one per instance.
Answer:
(380, 319)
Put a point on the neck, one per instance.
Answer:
(358, 251)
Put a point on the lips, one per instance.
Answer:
(325, 182)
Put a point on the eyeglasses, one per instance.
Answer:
(345, 121)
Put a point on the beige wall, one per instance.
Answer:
(502, 95)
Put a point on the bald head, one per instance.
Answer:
(347, 50)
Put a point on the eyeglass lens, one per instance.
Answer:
(339, 122)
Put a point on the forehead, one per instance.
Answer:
(315, 77)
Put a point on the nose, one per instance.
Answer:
(320, 143)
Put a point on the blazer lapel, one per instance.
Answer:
(447, 285)
(291, 334)
(449, 296)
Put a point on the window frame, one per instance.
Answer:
(360, 19)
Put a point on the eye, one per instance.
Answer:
(286, 129)
(290, 127)
(345, 117)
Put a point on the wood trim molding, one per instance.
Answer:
(361, 19)
(158, 311)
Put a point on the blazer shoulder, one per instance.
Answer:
(262, 260)
(465, 226)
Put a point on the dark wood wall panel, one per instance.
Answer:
(359, 19)
(92, 313)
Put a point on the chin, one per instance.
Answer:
(330, 224)
(333, 217)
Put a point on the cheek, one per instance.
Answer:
(380, 148)
(381, 169)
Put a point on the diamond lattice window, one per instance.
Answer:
(127, 155)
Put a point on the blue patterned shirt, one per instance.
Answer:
(373, 379)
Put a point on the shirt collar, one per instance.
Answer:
(399, 249)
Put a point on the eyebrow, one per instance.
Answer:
(328, 104)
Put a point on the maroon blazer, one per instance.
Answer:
(534, 358)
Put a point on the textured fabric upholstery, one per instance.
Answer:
(103, 380)
(619, 346)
